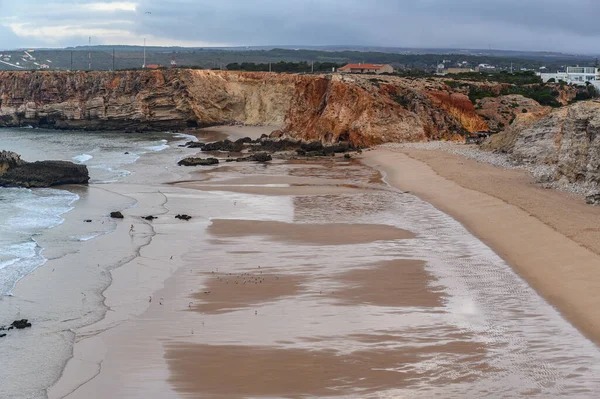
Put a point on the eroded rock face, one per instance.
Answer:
(568, 138)
(362, 110)
(500, 112)
(15, 172)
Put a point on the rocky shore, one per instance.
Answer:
(14, 172)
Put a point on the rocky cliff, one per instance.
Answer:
(567, 138)
(363, 110)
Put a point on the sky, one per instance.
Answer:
(535, 25)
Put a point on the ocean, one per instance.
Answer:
(26, 213)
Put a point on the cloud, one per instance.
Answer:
(510, 24)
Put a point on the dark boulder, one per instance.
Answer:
(14, 172)
(191, 161)
(243, 140)
(88, 220)
(150, 218)
(195, 144)
(261, 157)
(183, 217)
(21, 324)
(225, 145)
(312, 146)
(258, 157)
(116, 215)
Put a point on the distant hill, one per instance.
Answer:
(128, 57)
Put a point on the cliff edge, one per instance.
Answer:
(363, 110)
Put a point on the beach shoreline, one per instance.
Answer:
(547, 236)
(167, 301)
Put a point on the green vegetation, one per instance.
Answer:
(288, 67)
(517, 78)
(545, 95)
(587, 94)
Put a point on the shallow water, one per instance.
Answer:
(26, 213)
(466, 326)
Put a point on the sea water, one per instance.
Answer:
(27, 213)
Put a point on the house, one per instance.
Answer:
(366, 68)
(153, 66)
(578, 76)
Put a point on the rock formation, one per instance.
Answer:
(360, 109)
(500, 112)
(567, 138)
(14, 172)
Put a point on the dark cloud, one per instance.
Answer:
(508, 24)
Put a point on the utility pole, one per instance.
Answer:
(312, 67)
(90, 54)
(113, 68)
(144, 64)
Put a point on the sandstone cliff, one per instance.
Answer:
(567, 138)
(363, 110)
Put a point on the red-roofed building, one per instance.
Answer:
(153, 66)
(367, 68)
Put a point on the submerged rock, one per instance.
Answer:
(14, 172)
(191, 161)
(21, 324)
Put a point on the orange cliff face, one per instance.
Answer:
(365, 110)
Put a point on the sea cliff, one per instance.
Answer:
(361, 109)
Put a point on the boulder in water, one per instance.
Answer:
(116, 215)
(14, 172)
(21, 324)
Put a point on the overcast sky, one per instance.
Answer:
(553, 25)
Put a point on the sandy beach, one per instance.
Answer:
(551, 238)
(320, 278)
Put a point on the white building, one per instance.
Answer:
(575, 75)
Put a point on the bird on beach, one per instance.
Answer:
(160, 302)
(150, 300)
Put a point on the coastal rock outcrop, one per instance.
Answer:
(567, 139)
(500, 112)
(192, 161)
(14, 172)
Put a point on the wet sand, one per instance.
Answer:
(363, 294)
(551, 238)
(226, 292)
(309, 234)
(241, 371)
(397, 283)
